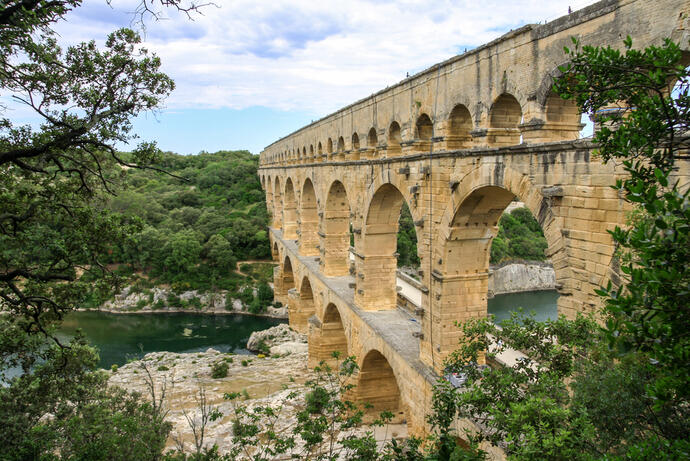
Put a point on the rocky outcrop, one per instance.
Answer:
(159, 299)
(520, 277)
(280, 339)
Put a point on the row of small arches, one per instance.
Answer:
(505, 129)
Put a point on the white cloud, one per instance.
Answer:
(314, 56)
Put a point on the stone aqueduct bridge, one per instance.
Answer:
(457, 143)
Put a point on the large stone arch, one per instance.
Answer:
(289, 211)
(277, 205)
(376, 257)
(308, 220)
(377, 387)
(301, 306)
(335, 232)
(462, 250)
(326, 336)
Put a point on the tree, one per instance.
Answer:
(648, 309)
(184, 252)
(219, 254)
(54, 227)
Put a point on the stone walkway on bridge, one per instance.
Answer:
(396, 327)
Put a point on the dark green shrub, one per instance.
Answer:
(246, 295)
(219, 370)
(316, 400)
(195, 302)
(263, 347)
(256, 306)
(264, 293)
(174, 300)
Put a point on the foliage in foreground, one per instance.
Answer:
(648, 311)
(62, 408)
(54, 227)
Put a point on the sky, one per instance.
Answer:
(248, 72)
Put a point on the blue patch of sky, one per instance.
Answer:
(100, 12)
(282, 32)
(190, 131)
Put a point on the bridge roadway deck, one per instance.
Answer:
(395, 327)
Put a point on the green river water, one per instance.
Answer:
(541, 303)
(120, 337)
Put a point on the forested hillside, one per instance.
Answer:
(196, 220)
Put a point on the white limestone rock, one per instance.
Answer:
(274, 336)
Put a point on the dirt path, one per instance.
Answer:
(255, 261)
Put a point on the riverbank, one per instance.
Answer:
(274, 380)
(179, 378)
(165, 300)
(277, 314)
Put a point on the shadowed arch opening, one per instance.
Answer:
(376, 274)
(563, 119)
(504, 118)
(319, 152)
(372, 139)
(424, 128)
(286, 281)
(329, 146)
(289, 212)
(377, 387)
(275, 253)
(459, 136)
(301, 308)
(372, 143)
(277, 205)
(304, 154)
(268, 187)
(341, 147)
(394, 139)
(308, 221)
(327, 336)
(335, 235)
(354, 154)
(311, 152)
